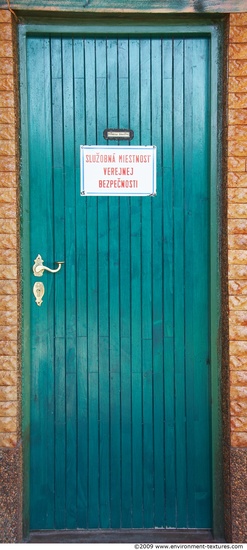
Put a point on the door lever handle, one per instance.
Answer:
(39, 268)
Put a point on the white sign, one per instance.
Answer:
(118, 171)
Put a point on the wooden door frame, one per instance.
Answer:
(96, 25)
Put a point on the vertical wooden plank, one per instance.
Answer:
(104, 385)
(93, 481)
(115, 423)
(178, 114)
(83, 430)
(92, 273)
(81, 212)
(70, 274)
(123, 82)
(189, 280)
(135, 299)
(200, 216)
(157, 278)
(82, 291)
(136, 367)
(112, 82)
(146, 240)
(114, 327)
(103, 286)
(125, 352)
(59, 283)
(42, 350)
(124, 252)
(168, 275)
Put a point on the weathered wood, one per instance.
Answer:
(123, 536)
(161, 6)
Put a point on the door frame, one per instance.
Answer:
(96, 25)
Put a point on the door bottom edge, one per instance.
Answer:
(122, 535)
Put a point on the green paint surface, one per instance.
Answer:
(120, 353)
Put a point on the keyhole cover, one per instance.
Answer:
(38, 290)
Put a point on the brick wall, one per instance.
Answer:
(8, 235)
(237, 226)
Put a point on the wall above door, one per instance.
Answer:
(157, 6)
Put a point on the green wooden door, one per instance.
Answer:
(120, 373)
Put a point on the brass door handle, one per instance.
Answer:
(39, 268)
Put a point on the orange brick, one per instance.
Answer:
(239, 439)
(7, 115)
(236, 302)
(237, 179)
(235, 84)
(237, 149)
(8, 378)
(237, 272)
(237, 116)
(236, 227)
(237, 210)
(8, 393)
(237, 51)
(7, 226)
(7, 131)
(238, 378)
(7, 147)
(238, 424)
(7, 164)
(5, 31)
(7, 99)
(8, 348)
(236, 165)
(239, 349)
(8, 440)
(8, 211)
(238, 34)
(5, 16)
(237, 257)
(7, 241)
(6, 48)
(238, 132)
(8, 303)
(8, 289)
(7, 196)
(237, 67)
(8, 179)
(8, 257)
(8, 425)
(8, 409)
(8, 272)
(8, 318)
(235, 332)
(237, 242)
(238, 363)
(6, 66)
(10, 333)
(238, 19)
(6, 83)
(238, 408)
(8, 363)
(237, 195)
(235, 101)
(236, 289)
